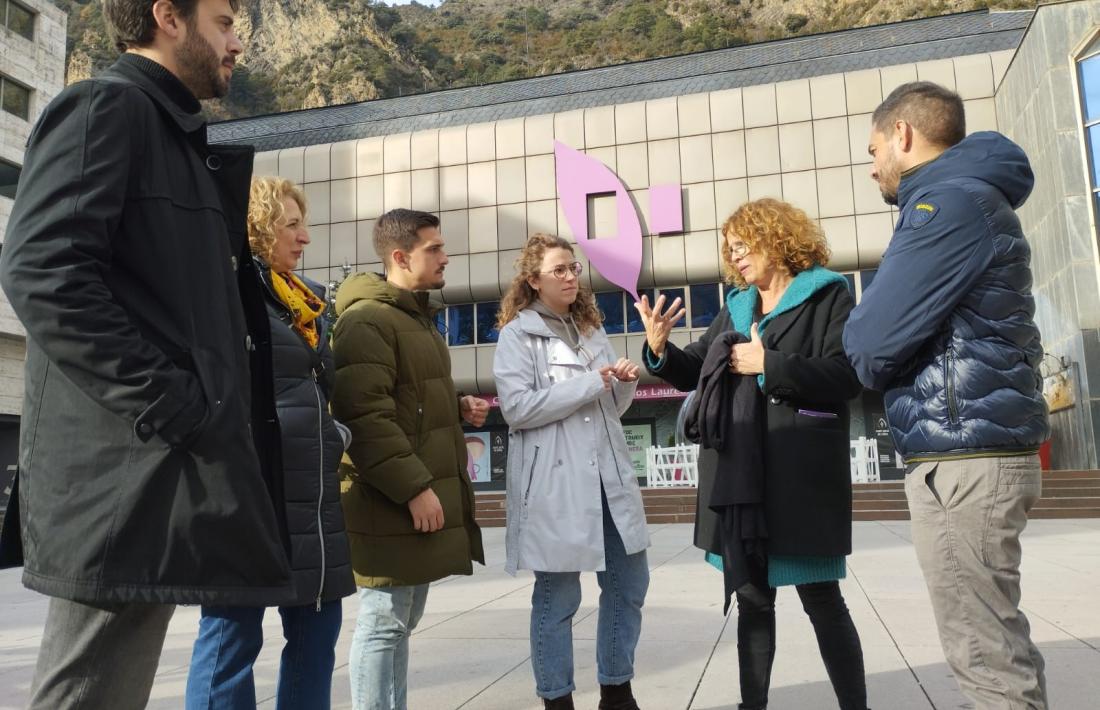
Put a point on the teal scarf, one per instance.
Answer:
(741, 304)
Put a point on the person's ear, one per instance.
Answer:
(399, 259)
(167, 17)
(903, 135)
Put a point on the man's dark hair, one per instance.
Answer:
(935, 112)
(399, 229)
(130, 23)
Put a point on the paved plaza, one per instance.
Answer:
(471, 649)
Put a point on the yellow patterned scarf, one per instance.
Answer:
(302, 302)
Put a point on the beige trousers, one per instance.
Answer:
(967, 517)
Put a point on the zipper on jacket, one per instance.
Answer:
(419, 424)
(949, 387)
(530, 477)
(320, 481)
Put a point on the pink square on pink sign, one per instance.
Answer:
(666, 209)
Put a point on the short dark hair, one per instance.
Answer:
(130, 23)
(400, 229)
(937, 113)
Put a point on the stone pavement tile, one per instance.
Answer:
(799, 681)
(446, 673)
(1073, 680)
(665, 677)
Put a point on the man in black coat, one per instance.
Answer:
(140, 486)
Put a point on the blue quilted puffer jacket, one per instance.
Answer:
(947, 328)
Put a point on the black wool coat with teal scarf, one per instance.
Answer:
(808, 489)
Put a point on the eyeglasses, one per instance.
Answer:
(562, 270)
(739, 250)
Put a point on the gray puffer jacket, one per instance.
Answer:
(312, 447)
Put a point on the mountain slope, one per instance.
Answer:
(307, 53)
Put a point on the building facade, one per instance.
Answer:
(32, 73)
(787, 119)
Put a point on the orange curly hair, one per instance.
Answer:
(265, 212)
(785, 234)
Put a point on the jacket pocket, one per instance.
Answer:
(530, 480)
(949, 387)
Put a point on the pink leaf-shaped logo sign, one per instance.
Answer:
(618, 258)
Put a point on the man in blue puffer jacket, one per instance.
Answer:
(947, 333)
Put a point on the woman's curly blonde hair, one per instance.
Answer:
(777, 229)
(265, 212)
(520, 294)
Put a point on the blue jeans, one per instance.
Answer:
(229, 641)
(555, 600)
(380, 646)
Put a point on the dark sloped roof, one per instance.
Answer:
(746, 65)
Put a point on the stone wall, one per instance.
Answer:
(40, 65)
(1037, 107)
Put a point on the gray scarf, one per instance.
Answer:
(567, 330)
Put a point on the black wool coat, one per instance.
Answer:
(311, 452)
(808, 488)
(148, 375)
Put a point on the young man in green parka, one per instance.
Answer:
(408, 500)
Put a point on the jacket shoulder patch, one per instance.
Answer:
(922, 213)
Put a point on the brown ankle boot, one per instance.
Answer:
(565, 702)
(617, 697)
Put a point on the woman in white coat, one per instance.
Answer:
(573, 500)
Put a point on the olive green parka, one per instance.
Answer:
(394, 391)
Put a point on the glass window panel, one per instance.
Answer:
(634, 321)
(865, 279)
(460, 325)
(611, 306)
(705, 304)
(16, 100)
(1090, 87)
(9, 178)
(851, 284)
(441, 322)
(20, 20)
(1094, 153)
(487, 321)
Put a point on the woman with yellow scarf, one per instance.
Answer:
(307, 495)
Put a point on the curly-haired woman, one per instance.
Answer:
(790, 312)
(230, 638)
(573, 500)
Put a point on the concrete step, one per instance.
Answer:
(1066, 494)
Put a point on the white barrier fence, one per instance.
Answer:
(668, 466)
(864, 460)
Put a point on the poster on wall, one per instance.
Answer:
(640, 435)
(498, 454)
(478, 456)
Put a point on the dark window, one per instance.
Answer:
(15, 98)
(671, 294)
(705, 304)
(865, 279)
(441, 322)
(634, 321)
(18, 19)
(611, 306)
(460, 325)
(9, 178)
(851, 278)
(487, 322)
